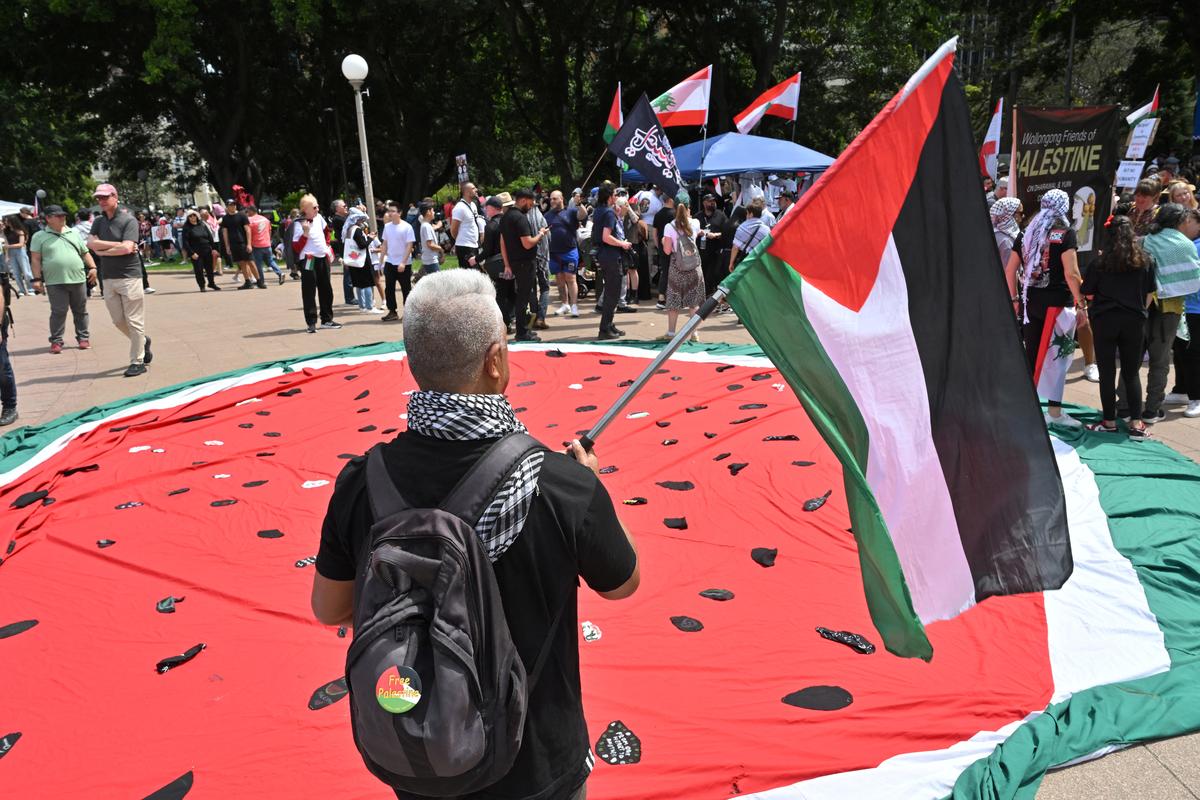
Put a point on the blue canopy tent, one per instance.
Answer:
(733, 153)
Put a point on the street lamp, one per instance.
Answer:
(354, 67)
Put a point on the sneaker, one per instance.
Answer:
(616, 330)
(149, 356)
(374, 310)
(608, 336)
(214, 287)
(563, 310)
(528, 336)
(1193, 409)
(84, 344)
(575, 311)
(1175, 399)
(312, 328)
(246, 285)
(148, 290)
(540, 325)
(660, 306)
(281, 279)
(391, 316)
(666, 337)
(1066, 420)
(134, 370)
(55, 348)
(598, 309)
(262, 286)
(626, 310)
(1091, 373)
(1151, 417)
(331, 325)
(8, 416)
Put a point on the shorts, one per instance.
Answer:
(238, 252)
(567, 263)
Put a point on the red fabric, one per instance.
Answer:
(298, 244)
(96, 720)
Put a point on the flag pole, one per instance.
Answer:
(588, 440)
(594, 168)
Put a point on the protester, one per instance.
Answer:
(162, 241)
(114, 240)
(8, 381)
(214, 226)
(493, 259)
(559, 523)
(713, 222)
(662, 217)
(1178, 267)
(1006, 216)
(398, 241)
(235, 234)
(16, 254)
(1050, 282)
(1145, 199)
(685, 287)
(466, 227)
(1001, 189)
(198, 244)
(1182, 193)
(608, 237)
(635, 233)
(1119, 287)
(260, 245)
(357, 239)
(287, 229)
(313, 255)
(62, 264)
(177, 224)
(518, 247)
(749, 233)
(541, 292)
(564, 224)
(432, 252)
(338, 211)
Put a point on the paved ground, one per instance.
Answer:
(196, 335)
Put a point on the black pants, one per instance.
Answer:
(145, 277)
(1119, 333)
(1191, 359)
(664, 272)
(643, 271)
(525, 278)
(464, 254)
(202, 267)
(711, 263)
(393, 274)
(505, 290)
(612, 293)
(314, 284)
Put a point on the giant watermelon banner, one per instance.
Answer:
(157, 555)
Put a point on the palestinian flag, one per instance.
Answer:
(1138, 114)
(889, 318)
(685, 103)
(615, 117)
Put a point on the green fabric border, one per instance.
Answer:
(1151, 495)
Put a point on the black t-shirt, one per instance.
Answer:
(664, 217)
(1124, 292)
(717, 223)
(606, 218)
(572, 530)
(1047, 283)
(235, 226)
(491, 239)
(513, 225)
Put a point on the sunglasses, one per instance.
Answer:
(102, 196)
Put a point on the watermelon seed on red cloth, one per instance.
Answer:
(103, 543)
(199, 463)
(661, 371)
(764, 556)
(625, 383)
(555, 354)
(289, 392)
(171, 662)
(724, 367)
(720, 595)
(246, 425)
(662, 423)
(665, 395)
(219, 503)
(819, 698)
(676, 523)
(786, 437)
(607, 470)
(591, 378)
(29, 498)
(608, 362)
(11, 546)
(694, 409)
(196, 417)
(48, 501)
(721, 456)
(7, 742)
(687, 624)
(174, 492)
(855, 641)
(762, 376)
(582, 409)
(74, 470)
(363, 394)
(526, 383)
(813, 503)
(708, 435)
(676, 377)
(263, 455)
(13, 628)
(677, 486)
(349, 377)
(386, 431)
(263, 413)
(520, 410)
(167, 604)
(743, 420)
(636, 501)
(752, 406)
(362, 410)
(273, 434)
(367, 429)
(734, 469)
(253, 484)
(175, 790)
(328, 694)
(271, 533)
(347, 455)
(669, 442)
(618, 745)
(733, 387)
(130, 504)
(307, 561)
(803, 463)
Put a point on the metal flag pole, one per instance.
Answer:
(589, 439)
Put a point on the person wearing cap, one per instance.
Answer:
(714, 235)
(64, 267)
(518, 248)
(493, 260)
(114, 240)
(235, 235)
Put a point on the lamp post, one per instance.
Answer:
(354, 67)
(337, 126)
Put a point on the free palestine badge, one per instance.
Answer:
(398, 690)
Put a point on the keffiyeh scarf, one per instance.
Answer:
(470, 417)
(1004, 215)
(1033, 246)
(353, 219)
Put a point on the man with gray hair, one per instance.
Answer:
(558, 521)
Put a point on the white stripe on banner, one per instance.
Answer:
(1053, 377)
(1127, 645)
(875, 352)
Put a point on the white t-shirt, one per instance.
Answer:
(315, 247)
(768, 218)
(669, 233)
(656, 202)
(468, 228)
(428, 254)
(397, 236)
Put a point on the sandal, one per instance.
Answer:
(1100, 427)
(1139, 434)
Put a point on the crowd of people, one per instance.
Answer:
(1135, 302)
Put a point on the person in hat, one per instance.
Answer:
(493, 259)
(63, 266)
(518, 248)
(235, 235)
(714, 234)
(114, 239)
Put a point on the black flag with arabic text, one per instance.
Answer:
(642, 144)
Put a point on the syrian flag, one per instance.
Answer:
(891, 323)
(781, 100)
(685, 103)
(991, 142)
(1145, 111)
(643, 144)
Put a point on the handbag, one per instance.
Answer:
(353, 255)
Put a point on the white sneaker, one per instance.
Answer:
(563, 310)
(1092, 373)
(1067, 421)
(1193, 409)
(575, 311)
(1175, 399)
(374, 310)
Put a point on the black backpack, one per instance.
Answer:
(438, 693)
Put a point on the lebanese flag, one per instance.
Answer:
(991, 142)
(685, 103)
(892, 325)
(1145, 111)
(781, 100)
(616, 118)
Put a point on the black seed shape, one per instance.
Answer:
(167, 604)
(273, 434)
(608, 362)
(272, 533)
(618, 745)
(582, 409)
(552, 425)
(519, 410)
(74, 470)
(175, 790)
(349, 377)
(724, 367)
(709, 435)
(687, 624)
(676, 377)
(389, 430)
(199, 463)
(367, 429)
(362, 410)
(733, 387)
(263, 413)
(787, 437)
(665, 395)
(721, 456)
(677, 486)
(103, 543)
(819, 698)
(591, 378)
(11, 546)
(694, 409)
(764, 556)
(7, 742)
(13, 628)
(328, 694)
(803, 463)
(131, 504)
(263, 455)
(220, 503)
(347, 455)
(48, 501)
(734, 469)
(252, 484)
(662, 371)
(663, 424)
(607, 470)
(173, 492)
(363, 394)
(246, 425)
(742, 420)
(762, 376)
(196, 417)
(752, 406)
(174, 661)
(289, 392)
(578, 433)
(676, 523)
(813, 503)
(669, 442)
(29, 498)
(636, 501)
(720, 595)
(120, 428)
(526, 383)
(555, 354)
(625, 383)
(855, 641)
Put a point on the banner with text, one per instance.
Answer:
(1073, 149)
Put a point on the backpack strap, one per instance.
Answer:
(381, 490)
(535, 673)
(476, 490)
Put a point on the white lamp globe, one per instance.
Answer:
(354, 67)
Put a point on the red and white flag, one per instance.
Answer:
(1145, 111)
(685, 103)
(991, 142)
(778, 101)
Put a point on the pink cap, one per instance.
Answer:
(105, 188)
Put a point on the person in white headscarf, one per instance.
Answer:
(1050, 296)
(1005, 225)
